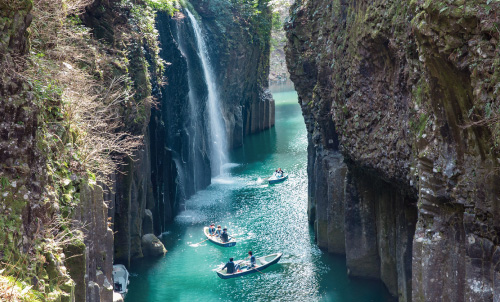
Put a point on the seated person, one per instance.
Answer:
(230, 267)
(224, 237)
(253, 261)
(218, 232)
(211, 230)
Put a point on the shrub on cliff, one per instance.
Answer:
(75, 106)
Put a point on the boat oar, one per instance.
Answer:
(261, 180)
(199, 242)
(254, 266)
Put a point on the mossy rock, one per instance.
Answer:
(76, 265)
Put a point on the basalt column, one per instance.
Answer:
(360, 202)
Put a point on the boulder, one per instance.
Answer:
(152, 246)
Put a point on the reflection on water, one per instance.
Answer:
(265, 219)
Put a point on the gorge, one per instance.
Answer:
(127, 125)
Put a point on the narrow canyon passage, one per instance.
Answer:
(265, 219)
(126, 126)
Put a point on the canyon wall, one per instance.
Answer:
(239, 50)
(401, 103)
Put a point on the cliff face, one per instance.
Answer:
(67, 103)
(401, 104)
(239, 50)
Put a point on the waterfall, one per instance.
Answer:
(217, 133)
(194, 127)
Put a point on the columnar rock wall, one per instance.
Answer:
(408, 89)
(91, 263)
(131, 201)
(240, 51)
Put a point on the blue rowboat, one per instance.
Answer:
(216, 240)
(262, 263)
(276, 179)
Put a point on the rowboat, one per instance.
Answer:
(276, 179)
(262, 263)
(120, 279)
(216, 240)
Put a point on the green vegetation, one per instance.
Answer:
(88, 102)
(161, 5)
(14, 290)
(250, 8)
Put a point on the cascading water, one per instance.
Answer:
(195, 126)
(218, 156)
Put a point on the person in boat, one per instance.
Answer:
(224, 237)
(211, 230)
(218, 232)
(280, 172)
(253, 261)
(231, 267)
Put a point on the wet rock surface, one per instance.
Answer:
(240, 51)
(152, 246)
(405, 89)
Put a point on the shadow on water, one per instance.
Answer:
(265, 218)
(257, 148)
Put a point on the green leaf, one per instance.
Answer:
(443, 9)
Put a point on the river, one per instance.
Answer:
(265, 218)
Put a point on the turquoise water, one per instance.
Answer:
(265, 219)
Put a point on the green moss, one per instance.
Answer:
(4, 182)
(422, 124)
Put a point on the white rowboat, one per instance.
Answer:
(216, 240)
